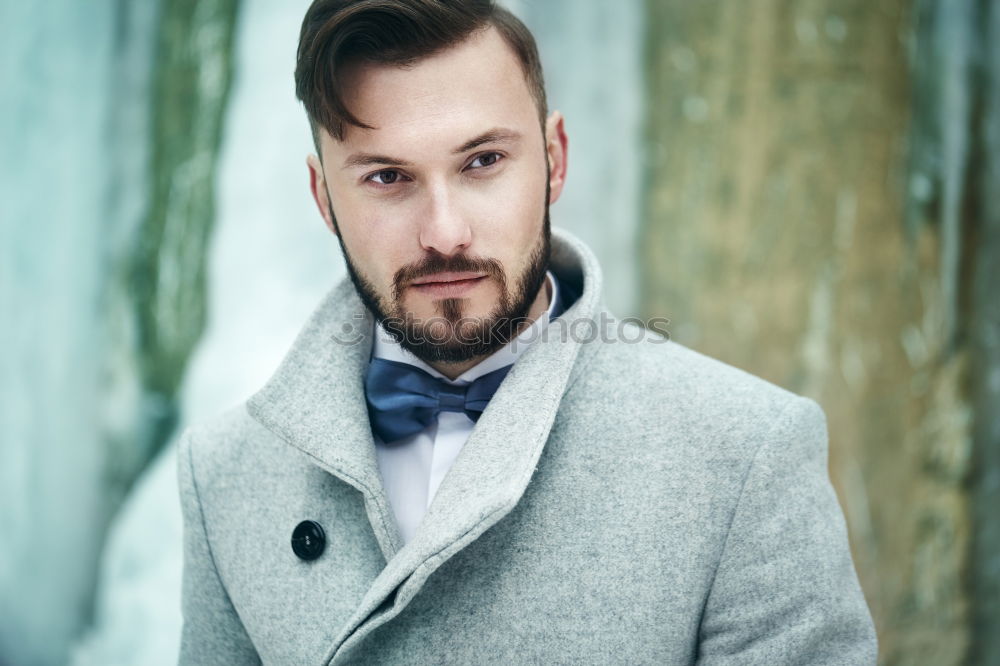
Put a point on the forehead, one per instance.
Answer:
(456, 93)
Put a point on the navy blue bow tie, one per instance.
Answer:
(403, 399)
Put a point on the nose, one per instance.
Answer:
(445, 228)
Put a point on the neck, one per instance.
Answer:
(539, 306)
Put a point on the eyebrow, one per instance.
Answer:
(367, 159)
(495, 135)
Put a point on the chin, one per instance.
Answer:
(449, 308)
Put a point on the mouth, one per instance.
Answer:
(444, 285)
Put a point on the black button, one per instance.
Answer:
(308, 540)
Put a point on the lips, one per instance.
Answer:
(444, 278)
(448, 285)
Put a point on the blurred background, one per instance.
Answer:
(808, 189)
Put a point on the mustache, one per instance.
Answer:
(439, 263)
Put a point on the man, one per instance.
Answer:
(464, 458)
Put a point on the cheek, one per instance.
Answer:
(510, 223)
(372, 249)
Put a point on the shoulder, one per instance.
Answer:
(227, 445)
(638, 382)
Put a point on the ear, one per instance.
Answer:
(556, 146)
(321, 195)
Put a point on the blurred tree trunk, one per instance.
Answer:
(807, 219)
(985, 345)
(110, 128)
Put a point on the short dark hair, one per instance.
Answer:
(336, 33)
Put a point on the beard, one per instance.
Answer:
(451, 337)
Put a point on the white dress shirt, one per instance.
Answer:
(413, 467)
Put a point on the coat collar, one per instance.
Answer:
(315, 402)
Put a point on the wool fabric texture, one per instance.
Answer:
(622, 499)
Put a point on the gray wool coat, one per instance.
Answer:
(618, 502)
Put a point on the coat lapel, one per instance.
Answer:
(315, 402)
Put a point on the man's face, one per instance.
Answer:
(442, 209)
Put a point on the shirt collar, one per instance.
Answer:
(385, 346)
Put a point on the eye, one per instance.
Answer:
(485, 160)
(384, 177)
